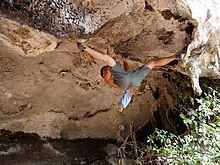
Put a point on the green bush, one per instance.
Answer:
(200, 144)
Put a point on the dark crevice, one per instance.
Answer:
(85, 85)
(156, 94)
(18, 136)
(167, 14)
(64, 71)
(145, 131)
(158, 121)
(24, 107)
(87, 115)
(189, 29)
(148, 6)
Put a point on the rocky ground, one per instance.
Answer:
(29, 149)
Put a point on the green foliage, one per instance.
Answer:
(199, 145)
(184, 94)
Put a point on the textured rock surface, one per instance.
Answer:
(24, 40)
(60, 93)
(203, 55)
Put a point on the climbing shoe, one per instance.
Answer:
(181, 53)
(81, 47)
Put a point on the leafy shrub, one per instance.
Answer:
(200, 144)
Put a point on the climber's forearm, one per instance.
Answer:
(108, 60)
(95, 54)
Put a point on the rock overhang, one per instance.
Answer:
(138, 30)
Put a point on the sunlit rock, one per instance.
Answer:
(25, 40)
(203, 54)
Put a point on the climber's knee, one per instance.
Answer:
(150, 64)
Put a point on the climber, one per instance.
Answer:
(115, 75)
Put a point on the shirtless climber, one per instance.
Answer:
(117, 77)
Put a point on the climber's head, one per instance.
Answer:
(105, 70)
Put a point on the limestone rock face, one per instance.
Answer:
(203, 55)
(48, 87)
(25, 40)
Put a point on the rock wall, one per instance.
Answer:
(203, 55)
(49, 88)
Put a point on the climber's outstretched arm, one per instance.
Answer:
(108, 60)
